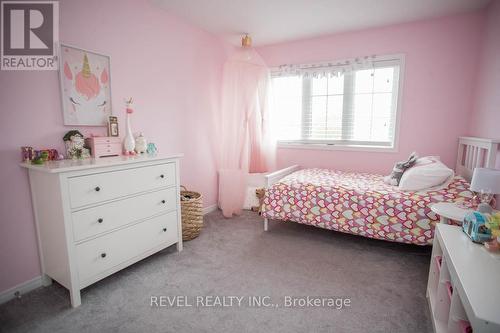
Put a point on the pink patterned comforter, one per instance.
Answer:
(359, 203)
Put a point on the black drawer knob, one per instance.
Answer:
(103, 255)
(97, 188)
(163, 201)
(164, 229)
(100, 220)
(162, 176)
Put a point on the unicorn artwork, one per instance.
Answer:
(85, 87)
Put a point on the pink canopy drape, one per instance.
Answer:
(242, 126)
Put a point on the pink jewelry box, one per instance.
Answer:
(104, 146)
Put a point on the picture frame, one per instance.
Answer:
(113, 129)
(85, 84)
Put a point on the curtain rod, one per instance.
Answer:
(342, 63)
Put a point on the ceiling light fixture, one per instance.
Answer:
(246, 41)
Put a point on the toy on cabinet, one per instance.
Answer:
(474, 226)
(493, 224)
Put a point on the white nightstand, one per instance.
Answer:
(449, 211)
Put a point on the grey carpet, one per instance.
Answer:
(385, 282)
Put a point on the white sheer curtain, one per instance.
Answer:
(244, 141)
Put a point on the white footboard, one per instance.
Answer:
(274, 177)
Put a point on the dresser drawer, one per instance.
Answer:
(93, 221)
(106, 139)
(108, 149)
(91, 189)
(103, 253)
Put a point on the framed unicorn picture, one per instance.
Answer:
(85, 86)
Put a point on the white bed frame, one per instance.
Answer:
(475, 153)
(472, 153)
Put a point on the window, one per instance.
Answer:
(332, 105)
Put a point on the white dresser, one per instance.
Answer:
(96, 217)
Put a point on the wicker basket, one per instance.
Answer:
(192, 214)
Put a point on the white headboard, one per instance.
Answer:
(475, 153)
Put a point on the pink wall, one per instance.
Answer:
(485, 118)
(441, 63)
(172, 70)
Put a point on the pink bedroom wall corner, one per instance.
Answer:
(436, 97)
(174, 87)
(485, 113)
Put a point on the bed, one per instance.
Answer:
(362, 204)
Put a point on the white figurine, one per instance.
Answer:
(141, 145)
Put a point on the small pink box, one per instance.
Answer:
(104, 146)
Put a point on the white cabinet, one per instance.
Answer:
(95, 217)
(463, 287)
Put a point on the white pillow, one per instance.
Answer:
(427, 173)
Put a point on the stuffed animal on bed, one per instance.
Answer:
(399, 168)
(259, 193)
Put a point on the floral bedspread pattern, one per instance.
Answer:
(359, 203)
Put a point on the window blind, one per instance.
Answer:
(344, 104)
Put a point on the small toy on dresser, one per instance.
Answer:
(152, 149)
(75, 145)
(141, 145)
(30, 155)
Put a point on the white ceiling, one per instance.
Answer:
(274, 21)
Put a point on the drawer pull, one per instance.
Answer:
(164, 229)
(162, 176)
(100, 220)
(97, 189)
(163, 201)
(103, 255)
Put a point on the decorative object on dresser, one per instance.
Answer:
(152, 149)
(95, 217)
(75, 145)
(29, 154)
(192, 214)
(85, 86)
(129, 141)
(141, 145)
(105, 146)
(113, 128)
(486, 183)
(462, 289)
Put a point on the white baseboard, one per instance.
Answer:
(209, 209)
(22, 288)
